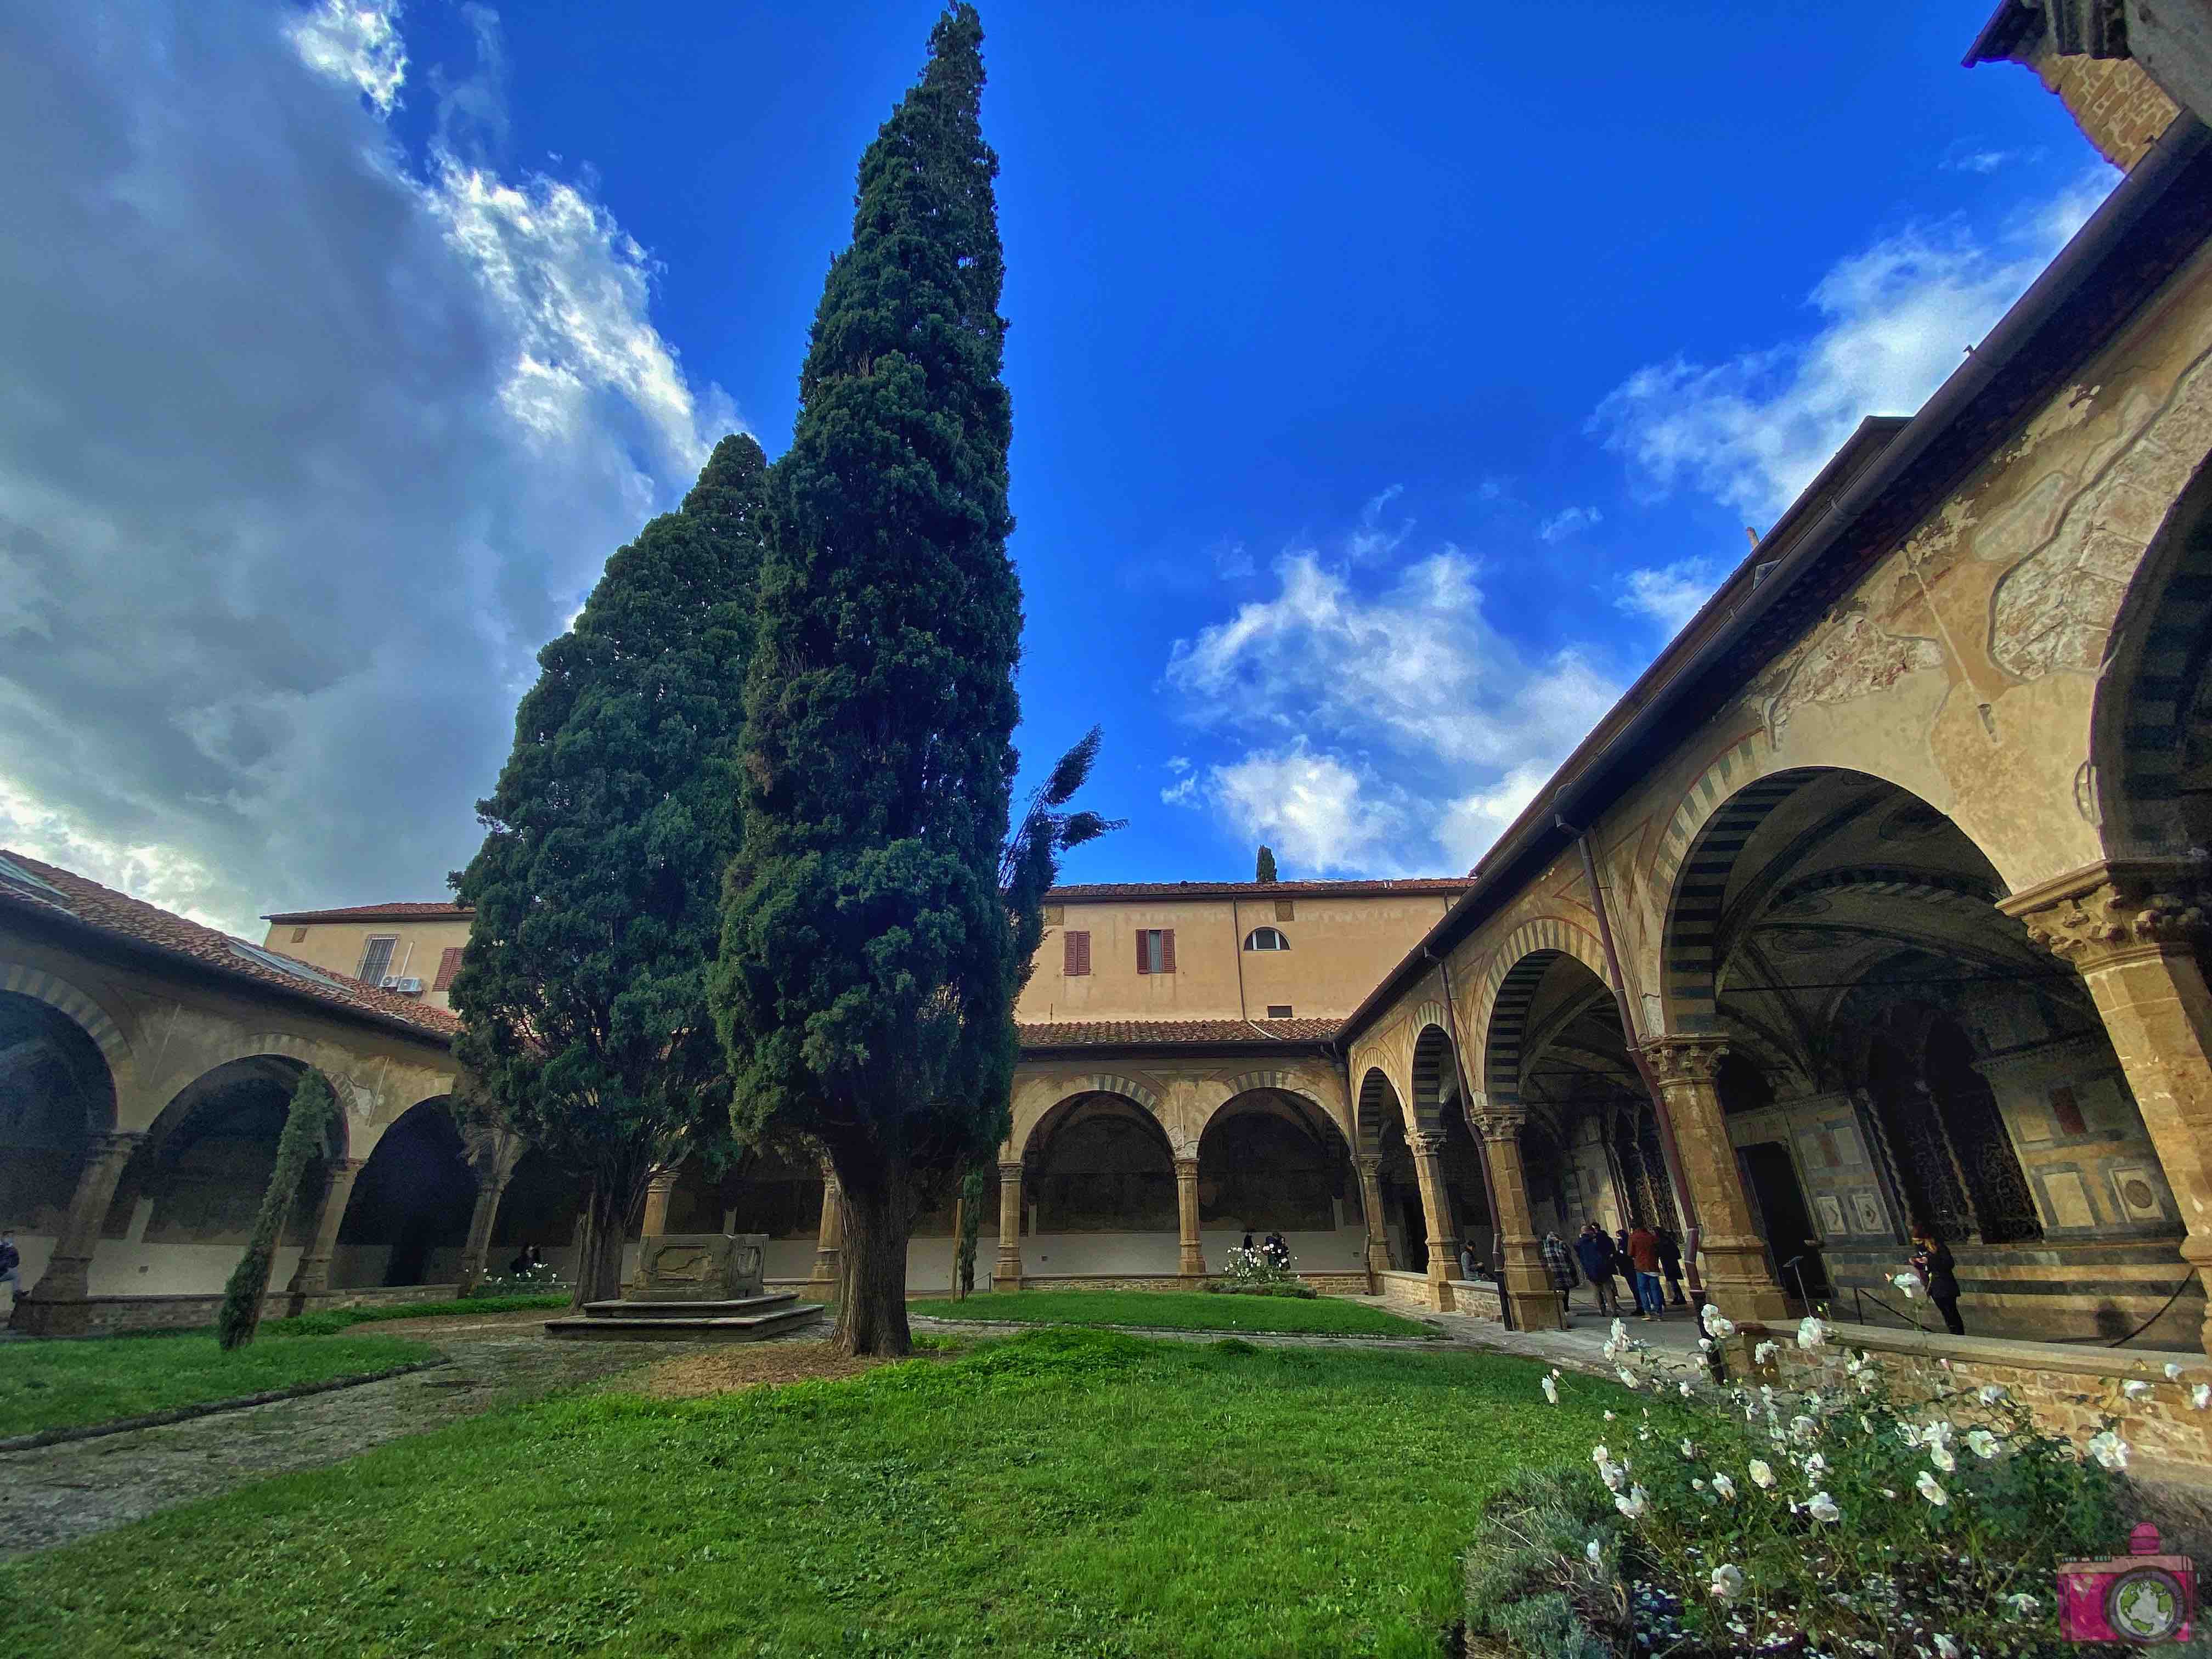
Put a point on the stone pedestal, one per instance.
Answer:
(1735, 1274)
(1006, 1275)
(700, 1267)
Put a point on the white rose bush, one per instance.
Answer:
(1836, 1518)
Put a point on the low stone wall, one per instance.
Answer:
(111, 1315)
(2071, 1390)
(1477, 1298)
(1411, 1292)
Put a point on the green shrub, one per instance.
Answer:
(1544, 1571)
(1254, 1273)
(1234, 1345)
(1841, 1518)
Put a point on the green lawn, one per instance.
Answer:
(1176, 1311)
(1071, 1492)
(51, 1385)
(329, 1321)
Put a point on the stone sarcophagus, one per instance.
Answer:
(700, 1267)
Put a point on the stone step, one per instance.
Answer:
(730, 1310)
(748, 1327)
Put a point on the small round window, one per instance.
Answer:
(1266, 938)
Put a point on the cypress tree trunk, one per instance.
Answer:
(879, 1222)
(302, 1138)
(609, 1205)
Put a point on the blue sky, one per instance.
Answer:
(1388, 381)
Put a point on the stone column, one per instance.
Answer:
(1735, 1274)
(68, 1277)
(829, 1242)
(659, 1186)
(489, 1190)
(1370, 1205)
(1435, 1205)
(1527, 1282)
(1191, 1264)
(1008, 1274)
(313, 1276)
(2129, 931)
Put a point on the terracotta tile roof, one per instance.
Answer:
(1440, 886)
(51, 891)
(1137, 1033)
(398, 910)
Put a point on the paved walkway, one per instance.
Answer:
(52, 1495)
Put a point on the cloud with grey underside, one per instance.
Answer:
(306, 446)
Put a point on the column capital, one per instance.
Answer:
(344, 1169)
(663, 1175)
(119, 1143)
(1427, 1143)
(1368, 1164)
(2108, 911)
(1498, 1120)
(1684, 1059)
(1187, 1166)
(1009, 1170)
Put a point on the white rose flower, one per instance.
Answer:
(1594, 1552)
(1822, 1508)
(1929, 1489)
(1853, 1362)
(1763, 1353)
(1907, 1283)
(1620, 1330)
(1728, 1582)
(1718, 1324)
(1724, 1486)
(2201, 1396)
(1632, 1503)
(1811, 1333)
(1886, 1492)
(1804, 1428)
(2109, 1450)
(1608, 1417)
(2138, 1390)
(1981, 1442)
(2172, 1372)
(1865, 1382)
(1598, 1453)
(2022, 1603)
(1688, 1391)
(1814, 1467)
(1940, 1456)
(1762, 1475)
(1705, 1344)
(1629, 1379)
(1688, 1449)
(1551, 1391)
(1616, 1476)
(1990, 1394)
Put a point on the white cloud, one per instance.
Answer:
(1182, 793)
(1389, 705)
(1370, 539)
(1317, 813)
(310, 448)
(1178, 763)
(1670, 594)
(1895, 321)
(1470, 826)
(1567, 522)
(357, 43)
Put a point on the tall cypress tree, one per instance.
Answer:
(1263, 868)
(583, 986)
(869, 965)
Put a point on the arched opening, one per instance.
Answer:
(1899, 1049)
(1271, 1161)
(407, 1220)
(55, 1095)
(1382, 1129)
(185, 1204)
(1266, 938)
(1439, 1110)
(1098, 1185)
(542, 1204)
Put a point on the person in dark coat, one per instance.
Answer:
(1594, 1251)
(1670, 1263)
(1560, 1264)
(1933, 1262)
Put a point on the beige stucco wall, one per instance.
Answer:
(338, 946)
(1341, 948)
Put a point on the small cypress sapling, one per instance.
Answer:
(304, 1122)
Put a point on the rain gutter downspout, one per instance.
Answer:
(1668, 1148)
(1481, 1147)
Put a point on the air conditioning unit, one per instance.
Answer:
(407, 984)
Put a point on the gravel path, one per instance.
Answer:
(54, 1494)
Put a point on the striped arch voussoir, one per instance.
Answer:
(1508, 986)
(57, 993)
(1692, 963)
(1127, 1088)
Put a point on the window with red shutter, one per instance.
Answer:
(1144, 950)
(449, 963)
(1167, 950)
(1075, 963)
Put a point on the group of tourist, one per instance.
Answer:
(1639, 1254)
(1275, 1247)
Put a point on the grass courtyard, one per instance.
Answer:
(1064, 1491)
(1176, 1311)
